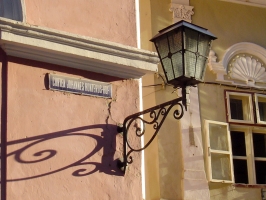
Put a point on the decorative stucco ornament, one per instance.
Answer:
(247, 69)
(181, 12)
(242, 64)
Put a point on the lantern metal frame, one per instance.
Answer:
(158, 113)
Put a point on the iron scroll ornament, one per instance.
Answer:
(157, 114)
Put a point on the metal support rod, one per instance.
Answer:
(157, 115)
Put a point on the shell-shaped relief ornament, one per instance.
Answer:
(247, 69)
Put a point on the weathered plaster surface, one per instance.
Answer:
(108, 20)
(226, 191)
(195, 183)
(65, 146)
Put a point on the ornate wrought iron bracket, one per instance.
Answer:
(157, 115)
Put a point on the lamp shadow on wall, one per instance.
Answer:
(106, 144)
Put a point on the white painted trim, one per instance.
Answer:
(23, 5)
(51, 46)
(244, 47)
(249, 114)
(209, 150)
(143, 181)
(138, 23)
(259, 121)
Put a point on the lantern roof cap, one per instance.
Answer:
(184, 24)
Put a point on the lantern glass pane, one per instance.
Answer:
(167, 65)
(200, 67)
(204, 45)
(177, 64)
(190, 61)
(191, 40)
(203, 52)
(175, 41)
(197, 46)
(162, 46)
(190, 46)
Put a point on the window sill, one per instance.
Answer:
(249, 185)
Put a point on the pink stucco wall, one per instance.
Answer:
(108, 20)
(65, 146)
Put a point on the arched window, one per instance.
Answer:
(11, 9)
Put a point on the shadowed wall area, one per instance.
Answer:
(62, 145)
(106, 142)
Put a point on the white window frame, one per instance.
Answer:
(209, 151)
(248, 131)
(250, 109)
(257, 107)
(249, 153)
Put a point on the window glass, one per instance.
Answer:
(238, 143)
(11, 9)
(218, 136)
(240, 107)
(261, 107)
(259, 144)
(262, 110)
(221, 168)
(240, 171)
(219, 152)
(260, 167)
(236, 109)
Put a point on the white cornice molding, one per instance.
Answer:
(47, 45)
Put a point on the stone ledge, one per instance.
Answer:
(47, 45)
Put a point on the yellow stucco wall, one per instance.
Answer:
(174, 167)
(163, 158)
(231, 23)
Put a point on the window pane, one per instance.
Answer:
(218, 137)
(262, 110)
(259, 144)
(260, 167)
(220, 166)
(240, 106)
(238, 143)
(236, 109)
(240, 171)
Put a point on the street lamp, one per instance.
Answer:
(183, 50)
